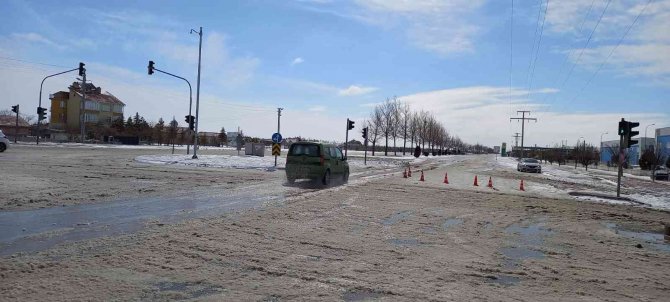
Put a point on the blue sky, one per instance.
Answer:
(324, 61)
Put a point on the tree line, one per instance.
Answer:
(394, 121)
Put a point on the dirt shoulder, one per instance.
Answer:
(386, 239)
(38, 177)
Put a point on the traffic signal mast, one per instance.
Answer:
(350, 125)
(626, 135)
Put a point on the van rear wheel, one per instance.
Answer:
(3, 147)
(326, 178)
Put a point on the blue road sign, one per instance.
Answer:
(276, 138)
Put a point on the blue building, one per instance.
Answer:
(663, 141)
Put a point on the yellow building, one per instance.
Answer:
(99, 107)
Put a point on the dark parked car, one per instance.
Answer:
(660, 173)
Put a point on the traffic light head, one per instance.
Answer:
(15, 109)
(82, 70)
(151, 67)
(350, 124)
(365, 133)
(623, 127)
(630, 133)
(41, 113)
(190, 120)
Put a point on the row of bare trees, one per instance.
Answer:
(393, 121)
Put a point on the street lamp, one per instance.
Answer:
(644, 139)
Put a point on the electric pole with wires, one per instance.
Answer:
(523, 119)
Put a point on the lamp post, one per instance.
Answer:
(39, 104)
(601, 144)
(644, 139)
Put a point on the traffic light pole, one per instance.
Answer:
(16, 127)
(620, 171)
(197, 97)
(190, 96)
(40, 100)
(346, 140)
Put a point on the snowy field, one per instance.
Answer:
(641, 189)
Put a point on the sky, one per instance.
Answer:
(579, 66)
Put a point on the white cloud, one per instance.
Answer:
(317, 109)
(356, 90)
(481, 114)
(297, 61)
(441, 27)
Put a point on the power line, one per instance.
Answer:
(585, 45)
(611, 52)
(572, 49)
(532, 49)
(32, 62)
(539, 42)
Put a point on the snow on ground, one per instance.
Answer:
(215, 161)
(601, 181)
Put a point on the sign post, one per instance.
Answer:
(276, 146)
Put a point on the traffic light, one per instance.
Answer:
(82, 70)
(15, 109)
(151, 67)
(350, 124)
(41, 113)
(630, 133)
(623, 127)
(365, 133)
(190, 120)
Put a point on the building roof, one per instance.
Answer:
(95, 94)
(10, 120)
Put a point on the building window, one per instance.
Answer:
(90, 105)
(62, 104)
(90, 117)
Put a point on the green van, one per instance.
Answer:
(316, 161)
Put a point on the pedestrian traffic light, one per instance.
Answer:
(15, 109)
(151, 67)
(350, 124)
(82, 70)
(190, 120)
(630, 133)
(41, 113)
(365, 133)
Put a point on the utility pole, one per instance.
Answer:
(516, 137)
(82, 118)
(197, 96)
(523, 119)
(278, 127)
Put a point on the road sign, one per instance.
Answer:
(276, 149)
(276, 138)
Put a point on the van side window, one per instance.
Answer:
(339, 153)
(333, 154)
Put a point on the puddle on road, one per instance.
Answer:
(360, 295)
(504, 280)
(40, 229)
(655, 240)
(450, 222)
(395, 218)
(404, 241)
(190, 290)
(526, 244)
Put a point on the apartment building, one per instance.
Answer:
(99, 107)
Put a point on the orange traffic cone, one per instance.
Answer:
(421, 179)
(475, 184)
(404, 174)
(446, 178)
(490, 185)
(521, 186)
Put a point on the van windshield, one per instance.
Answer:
(300, 149)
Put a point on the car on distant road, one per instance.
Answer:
(660, 173)
(529, 165)
(316, 161)
(4, 142)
